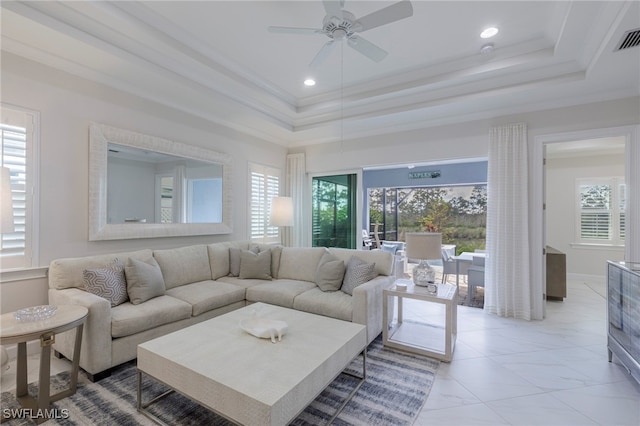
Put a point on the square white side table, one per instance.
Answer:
(424, 339)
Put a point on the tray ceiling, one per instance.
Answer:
(216, 59)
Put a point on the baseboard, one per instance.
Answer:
(598, 279)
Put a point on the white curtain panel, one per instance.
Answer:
(508, 288)
(295, 182)
(178, 194)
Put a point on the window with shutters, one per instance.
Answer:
(18, 130)
(265, 184)
(601, 207)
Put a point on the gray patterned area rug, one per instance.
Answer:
(396, 388)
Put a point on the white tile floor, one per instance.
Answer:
(550, 372)
(512, 372)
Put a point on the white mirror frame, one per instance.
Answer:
(99, 137)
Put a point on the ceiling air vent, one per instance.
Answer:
(629, 39)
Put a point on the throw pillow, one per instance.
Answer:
(357, 272)
(255, 265)
(144, 280)
(234, 259)
(330, 273)
(108, 282)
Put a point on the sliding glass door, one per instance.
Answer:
(334, 211)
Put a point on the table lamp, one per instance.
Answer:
(281, 212)
(424, 246)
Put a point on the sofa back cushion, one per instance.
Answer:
(382, 259)
(299, 263)
(68, 272)
(219, 257)
(184, 265)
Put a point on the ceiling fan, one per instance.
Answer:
(340, 25)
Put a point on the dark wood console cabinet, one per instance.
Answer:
(556, 274)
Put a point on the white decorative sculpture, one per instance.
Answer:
(264, 328)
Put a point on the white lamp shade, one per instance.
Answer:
(424, 245)
(6, 221)
(281, 211)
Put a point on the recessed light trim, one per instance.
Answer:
(489, 32)
(309, 82)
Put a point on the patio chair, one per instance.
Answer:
(475, 276)
(367, 241)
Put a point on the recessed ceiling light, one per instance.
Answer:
(489, 32)
(309, 82)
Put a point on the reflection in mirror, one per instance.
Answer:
(141, 186)
(151, 187)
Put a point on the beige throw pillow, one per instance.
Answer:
(234, 259)
(144, 280)
(255, 265)
(358, 272)
(330, 273)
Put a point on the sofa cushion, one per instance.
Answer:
(144, 280)
(67, 272)
(255, 265)
(108, 282)
(281, 292)
(335, 304)
(357, 272)
(204, 296)
(128, 319)
(238, 282)
(300, 263)
(330, 273)
(183, 265)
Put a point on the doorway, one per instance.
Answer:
(334, 211)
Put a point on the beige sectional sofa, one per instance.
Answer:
(197, 286)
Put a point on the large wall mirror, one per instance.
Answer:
(141, 186)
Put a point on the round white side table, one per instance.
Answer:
(13, 331)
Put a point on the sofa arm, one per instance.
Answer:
(95, 353)
(367, 304)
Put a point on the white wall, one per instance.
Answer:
(66, 105)
(561, 210)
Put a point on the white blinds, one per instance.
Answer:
(16, 140)
(265, 184)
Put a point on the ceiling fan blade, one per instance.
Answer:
(333, 7)
(294, 30)
(367, 48)
(322, 54)
(395, 12)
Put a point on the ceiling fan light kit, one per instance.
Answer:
(340, 25)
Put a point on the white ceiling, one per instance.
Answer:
(216, 59)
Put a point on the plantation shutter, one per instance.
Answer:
(16, 131)
(265, 184)
(595, 217)
(602, 211)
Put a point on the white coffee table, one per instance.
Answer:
(246, 379)
(434, 341)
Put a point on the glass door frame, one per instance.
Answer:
(308, 203)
